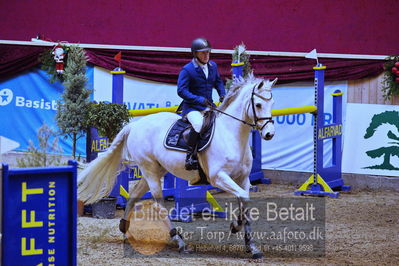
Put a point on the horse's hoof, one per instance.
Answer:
(124, 225)
(257, 256)
(233, 228)
(186, 250)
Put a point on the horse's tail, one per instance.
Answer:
(98, 178)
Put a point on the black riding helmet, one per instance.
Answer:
(199, 45)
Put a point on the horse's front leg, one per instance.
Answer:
(241, 191)
(244, 218)
(247, 219)
(244, 183)
(236, 226)
(223, 181)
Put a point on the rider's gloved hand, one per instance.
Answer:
(208, 103)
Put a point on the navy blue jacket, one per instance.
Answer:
(194, 87)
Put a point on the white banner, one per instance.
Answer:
(292, 146)
(137, 93)
(371, 140)
(290, 149)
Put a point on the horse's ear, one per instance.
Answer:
(274, 81)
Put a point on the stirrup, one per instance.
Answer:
(191, 164)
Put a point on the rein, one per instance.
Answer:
(256, 119)
(229, 115)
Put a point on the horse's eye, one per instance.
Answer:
(258, 105)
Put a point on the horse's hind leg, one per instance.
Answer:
(149, 181)
(138, 191)
(152, 173)
(156, 191)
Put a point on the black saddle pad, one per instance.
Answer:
(174, 137)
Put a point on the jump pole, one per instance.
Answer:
(275, 112)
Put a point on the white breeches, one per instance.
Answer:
(196, 118)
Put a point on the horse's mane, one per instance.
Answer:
(236, 87)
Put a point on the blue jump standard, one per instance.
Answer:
(191, 200)
(325, 180)
(39, 215)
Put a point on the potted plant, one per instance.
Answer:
(108, 119)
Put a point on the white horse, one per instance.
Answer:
(227, 161)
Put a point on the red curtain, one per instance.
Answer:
(18, 58)
(165, 66)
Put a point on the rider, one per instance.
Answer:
(194, 85)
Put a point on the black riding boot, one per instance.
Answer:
(192, 159)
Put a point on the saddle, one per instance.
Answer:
(176, 137)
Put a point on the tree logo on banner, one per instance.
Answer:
(387, 117)
(5, 96)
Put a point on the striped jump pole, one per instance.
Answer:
(275, 112)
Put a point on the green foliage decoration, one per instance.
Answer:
(244, 57)
(74, 103)
(107, 118)
(390, 87)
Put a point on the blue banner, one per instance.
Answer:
(29, 100)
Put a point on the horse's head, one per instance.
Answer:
(260, 108)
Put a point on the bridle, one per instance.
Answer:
(268, 119)
(254, 125)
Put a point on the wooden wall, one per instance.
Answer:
(368, 91)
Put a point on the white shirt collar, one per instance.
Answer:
(202, 66)
(198, 64)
